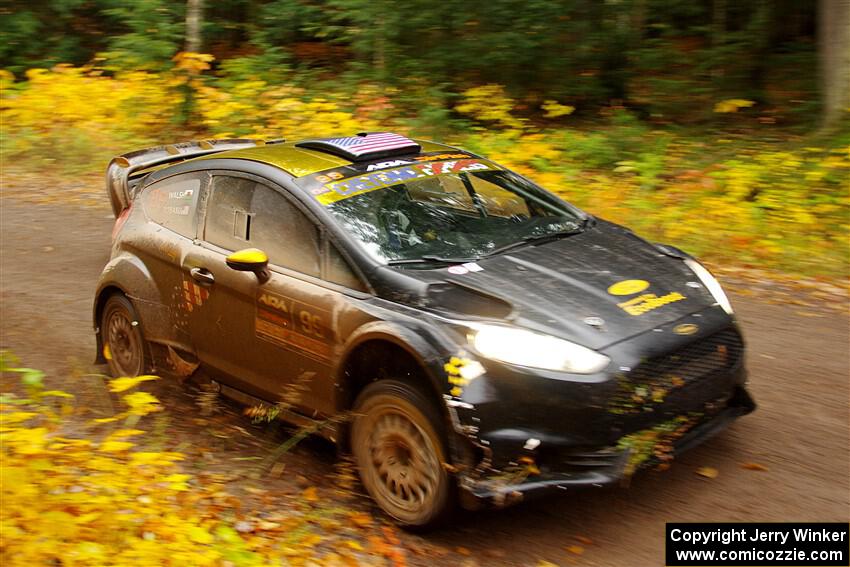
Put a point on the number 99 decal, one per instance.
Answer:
(311, 324)
(293, 324)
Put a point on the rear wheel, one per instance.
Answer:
(397, 441)
(124, 345)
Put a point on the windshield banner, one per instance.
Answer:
(345, 182)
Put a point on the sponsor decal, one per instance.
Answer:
(328, 177)
(193, 295)
(649, 301)
(179, 211)
(181, 194)
(293, 324)
(685, 329)
(460, 371)
(386, 164)
(644, 302)
(439, 157)
(358, 184)
(173, 202)
(628, 287)
(458, 270)
(473, 267)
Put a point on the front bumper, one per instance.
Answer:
(599, 468)
(536, 432)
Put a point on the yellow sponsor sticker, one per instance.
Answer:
(649, 301)
(628, 287)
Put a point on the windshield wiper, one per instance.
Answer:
(430, 260)
(540, 238)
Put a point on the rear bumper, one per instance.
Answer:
(597, 467)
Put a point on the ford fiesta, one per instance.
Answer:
(486, 339)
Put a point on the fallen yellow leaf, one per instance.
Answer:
(708, 472)
(125, 433)
(360, 519)
(125, 383)
(310, 494)
(754, 467)
(577, 549)
(115, 446)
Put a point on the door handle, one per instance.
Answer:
(202, 276)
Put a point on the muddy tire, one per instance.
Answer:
(124, 345)
(397, 441)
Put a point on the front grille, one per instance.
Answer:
(692, 362)
(651, 381)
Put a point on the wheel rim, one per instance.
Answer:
(402, 463)
(125, 347)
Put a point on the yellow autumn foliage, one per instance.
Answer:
(772, 204)
(489, 103)
(732, 105)
(73, 495)
(67, 112)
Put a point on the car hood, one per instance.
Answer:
(596, 288)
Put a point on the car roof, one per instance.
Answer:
(299, 161)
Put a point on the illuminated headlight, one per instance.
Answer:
(711, 284)
(527, 348)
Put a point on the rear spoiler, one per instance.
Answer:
(120, 169)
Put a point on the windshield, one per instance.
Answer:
(453, 210)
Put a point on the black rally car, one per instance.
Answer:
(489, 339)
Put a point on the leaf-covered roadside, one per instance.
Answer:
(99, 493)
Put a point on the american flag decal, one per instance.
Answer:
(364, 145)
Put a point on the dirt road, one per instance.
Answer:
(800, 372)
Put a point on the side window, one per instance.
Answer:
(243, 213)
(228, 222)
(173, 202)
(340, 272)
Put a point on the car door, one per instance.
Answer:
(271, 338)
(170, 203)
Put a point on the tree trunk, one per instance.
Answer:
(718, 35)
(194, 17)
(834, 59)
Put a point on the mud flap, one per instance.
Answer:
(182, 367)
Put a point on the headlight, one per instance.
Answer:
(711, 284)
(527, 348)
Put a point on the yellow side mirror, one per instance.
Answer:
(248, 260)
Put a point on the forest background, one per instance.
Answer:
(717, 126)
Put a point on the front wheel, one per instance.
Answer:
(123, 343)
(398, 445)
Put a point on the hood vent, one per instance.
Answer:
(453, 298)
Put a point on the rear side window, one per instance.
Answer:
(173, 203)
(243, 213)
